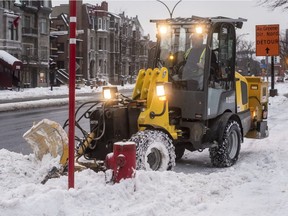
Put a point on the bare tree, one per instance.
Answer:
(244, 57)
(244, 48)
(273, 4)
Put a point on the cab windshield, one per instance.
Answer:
(182, 51)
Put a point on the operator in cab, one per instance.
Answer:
(195, 59)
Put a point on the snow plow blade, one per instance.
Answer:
(48, 137)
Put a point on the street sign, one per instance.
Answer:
(267, 40)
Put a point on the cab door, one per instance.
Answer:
(221, 78)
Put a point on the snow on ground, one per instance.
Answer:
(43, 96)
(256, 185)
(43, 91)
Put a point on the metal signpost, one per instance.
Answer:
(72, 78)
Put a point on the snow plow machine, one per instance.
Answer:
(175, 105)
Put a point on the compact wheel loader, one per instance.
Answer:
(178, 106)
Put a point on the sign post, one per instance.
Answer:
(267, 44)
(72, 78)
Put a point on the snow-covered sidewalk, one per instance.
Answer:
(43, 96)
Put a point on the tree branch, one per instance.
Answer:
(273, 4)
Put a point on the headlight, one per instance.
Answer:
(171, 57)
(254, 114)
(160, 92)
(199, 29)
(163, 29)
(109, 92)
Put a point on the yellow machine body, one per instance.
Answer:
(145, 90)
(252, 94)
(258, 105)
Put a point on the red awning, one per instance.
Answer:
(10, 61)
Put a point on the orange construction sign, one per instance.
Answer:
(267, 40)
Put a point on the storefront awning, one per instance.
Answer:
(7, 60)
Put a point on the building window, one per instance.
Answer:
(28, 49)
(60, 27)
(142, 50)
(105, 44)
(13, 31)
(42, 77)
(44, 53)
(43, 26)
(46, 3)
(34, 3)
(107, 24)
(100, 69)
(7, 4)
(93, 22)
(104, 24)
(99, 23)
(100, 47)
(27, 22)
(60, 47)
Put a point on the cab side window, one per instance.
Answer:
(222, 58)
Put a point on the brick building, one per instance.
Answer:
(24, 34)
(109, 46)
(10, 45)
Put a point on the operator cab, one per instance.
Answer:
(199, 54)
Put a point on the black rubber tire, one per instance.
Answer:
(227, 152)
(179, 152)
(154, 150)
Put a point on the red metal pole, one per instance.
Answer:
(72, 78)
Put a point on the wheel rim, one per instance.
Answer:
(154, 159)
(233, 144)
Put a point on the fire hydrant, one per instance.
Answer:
(122, 161)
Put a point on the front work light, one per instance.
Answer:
(160, 91)
(163, 29)
(107, 94)
(171, 57)
(110, 92)
(199, 30)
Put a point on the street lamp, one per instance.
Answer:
(170, 12)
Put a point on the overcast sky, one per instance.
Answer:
(151, 9)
